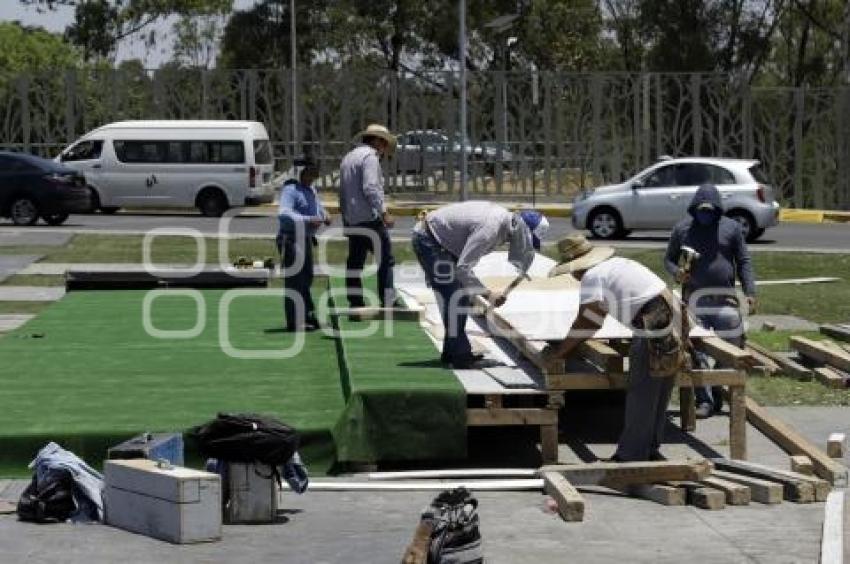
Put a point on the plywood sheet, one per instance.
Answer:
(497, 265)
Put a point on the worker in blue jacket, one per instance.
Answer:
(300, 215)
(709, 287)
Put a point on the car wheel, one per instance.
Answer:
(605, 223)
(23, 211)
(758, 233)
(55, 218)
(109, 210)
(748, 225)
(212, 203)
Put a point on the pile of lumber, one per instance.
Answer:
(826, 360)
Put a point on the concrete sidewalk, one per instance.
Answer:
(375, 527)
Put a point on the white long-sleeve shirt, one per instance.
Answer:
(361, 186)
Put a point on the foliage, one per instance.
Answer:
(33, 49)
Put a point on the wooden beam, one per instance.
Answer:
(822, 352)
(834, 528)
(702, 496)
(795, 488)
(725, 353)
(737, 422)
(481, 417)
(532, 350)
(762, 491)
(601, 355)
(614, 381)
(569, 500)
(736, 494)
(417, 550)
(372, 313)
(835, 445)
(659, 493)
(763, 360)
(617, 474)
(839, 332)
(687, 409)
(549, 443)
(830, 378)
(426, 485)
(802, 464)
(454, 473)
(786, 365)
(794, 443)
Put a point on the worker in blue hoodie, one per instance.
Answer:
(709, 287)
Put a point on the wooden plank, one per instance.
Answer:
(737, 423)
(834, 445)
(832, 536)
(417, 550)
(830, 378)
(764, 361)
(794, 489)
(569, 500)
(727, 354)
(762, 491)
(530, 349)
(549, 443)
(601, 355)
(454, 473)
(480, 417)
(702, 496)
(659, 493)
(794, 443)
(736, 494)
(614, 381)
(372, 313)
(785, 364)
(839, 332)
(822, 352)
(687, 409)
(802, 464)
(614, 474)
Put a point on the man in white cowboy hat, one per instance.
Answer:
(450, 241)
(361, 201)
(635, 296)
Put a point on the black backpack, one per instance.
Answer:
(455, 538)
(50, 500)
(246, 437)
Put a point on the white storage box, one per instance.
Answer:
(175, 504)
(251, 493)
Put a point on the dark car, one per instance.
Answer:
(32, 187)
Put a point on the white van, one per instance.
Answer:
(211, 165)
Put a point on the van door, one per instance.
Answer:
(85, 157)
(138, 178)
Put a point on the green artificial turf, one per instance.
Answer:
(85, 374)
(402, 404)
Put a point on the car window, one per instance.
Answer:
(83, 151)
(691, 174)
(141, 151)
(758, 174)
(719, 175)
(433, 139)
(263, 151)
(228, 152)
(660, 177)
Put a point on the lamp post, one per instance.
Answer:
(294, 70)
(462, 59)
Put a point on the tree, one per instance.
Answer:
(196, 39)
(100, 24)
(28, 49)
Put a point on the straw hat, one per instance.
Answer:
(381, 132)
(578, 254)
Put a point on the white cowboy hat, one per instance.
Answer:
(578, 254)
(381, 132)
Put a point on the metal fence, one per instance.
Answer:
(531, 134)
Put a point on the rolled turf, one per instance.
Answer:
(86, 374)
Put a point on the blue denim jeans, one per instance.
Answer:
(440, 272)
(723, 317)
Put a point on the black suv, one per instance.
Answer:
(32, 187)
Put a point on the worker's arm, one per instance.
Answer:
(674, 249)
(482, 241)
(744, 266)
(588, 320)
(373, 184)
(288, 214)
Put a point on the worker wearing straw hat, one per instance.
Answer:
(364, 213)
(635, 296)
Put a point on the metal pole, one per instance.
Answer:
(294, 69)
(462, 59)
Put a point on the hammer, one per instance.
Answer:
(510, 288)
(687, 258)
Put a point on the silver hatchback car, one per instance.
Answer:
(658, 197)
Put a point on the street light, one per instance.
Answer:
(462, 58)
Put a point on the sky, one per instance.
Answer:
(131, 48)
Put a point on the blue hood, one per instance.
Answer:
(707, 193)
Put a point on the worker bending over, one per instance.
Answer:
(640, 300)
(450, 241)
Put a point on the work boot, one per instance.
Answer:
(704, 410)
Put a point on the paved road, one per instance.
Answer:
(787, 236)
